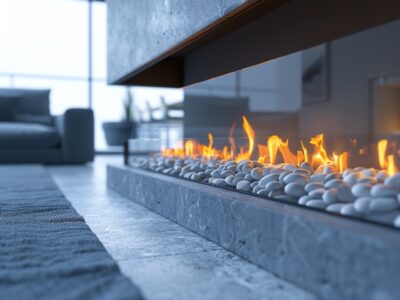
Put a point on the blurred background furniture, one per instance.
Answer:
(30, 134)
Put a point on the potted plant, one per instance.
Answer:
(118, 132)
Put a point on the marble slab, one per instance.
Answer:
(332, 257)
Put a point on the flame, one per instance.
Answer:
(277, 151)
(391, 167)
(382, 145)
(305, 153)
(273, 143)
(250, 136)
(288, 156)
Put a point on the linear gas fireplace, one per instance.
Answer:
(293, 163)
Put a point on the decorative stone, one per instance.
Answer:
(226, 173)
(248, 177)
(318, 177)
(381, 190)
(316, 204)
(243, 185)
(394, 181)
(271, 177)
(361, 205)
(256, 189)
(396, 221)
(344, 194)
(229, 180)
(237, 180)
(335, 207)
(216, 174)
(381, 176)
(302, 171)
(274, 185)
(312, 186)
(369, 180)
(257, 173)
(295, 189)
(282, 176)
(275, 193)
(330, 196)
(317, 193)
(220, 182)
(195, 177)
(304, 199)
(361, 190)
(296, 178)
(263, 192)
(348, 210)
(334, 183)
(254, 183)
(331, 177)
(285, 197)
(383, 204)
(352, 178)
(307, 166)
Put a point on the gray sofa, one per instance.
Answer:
(29, 134)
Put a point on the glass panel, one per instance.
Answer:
(44, 37)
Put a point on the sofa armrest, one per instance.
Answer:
(76, 129)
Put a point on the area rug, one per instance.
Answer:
(47, 251)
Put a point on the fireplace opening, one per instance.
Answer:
(318, 129)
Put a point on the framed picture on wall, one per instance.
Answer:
(315, 73)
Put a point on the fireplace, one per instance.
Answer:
(293, 164)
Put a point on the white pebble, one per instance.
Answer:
(304, 199)
(361, 190)
(274, 185)
(396, 222)
(243, 185)
(316, 203)
(361, 205)
(369, 180)
(335, 207)
(275, 193)
(344, 194)
(256, 173)
(263, 192)
(271, 177)
(307, 166)
(296, 178)
(383, 204)
(313, 186)
(256, 189)
(229, 180)
(393, 180)
(317, 178)
(348, 210)
(317, 193)
(216, 174)
(334, 183)
(220, 182)
(295, 189)
(330, 196)
(352, 178)
(381, 176)
(381, 190)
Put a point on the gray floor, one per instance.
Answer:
(165, 260)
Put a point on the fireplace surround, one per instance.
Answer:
(336, 236)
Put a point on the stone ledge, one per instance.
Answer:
(333, 257)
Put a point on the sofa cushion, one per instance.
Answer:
(36, 102)
(8, 106)
(15, 135)
(30, 118)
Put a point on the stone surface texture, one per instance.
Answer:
(156, 26)
(46, 249)
(165, 260)
(333, 257)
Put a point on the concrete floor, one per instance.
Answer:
(165, 260)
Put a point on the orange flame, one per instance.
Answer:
(273, 143)
(268, 154)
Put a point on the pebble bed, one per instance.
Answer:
(360, 192)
